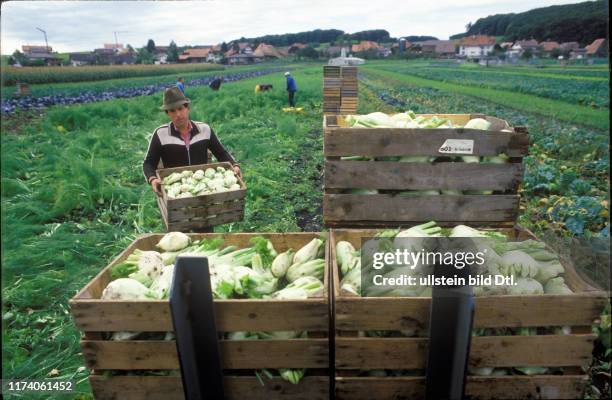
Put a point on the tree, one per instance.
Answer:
(527, 54)
(151, 46)
(555, 53)
(468, 27)
(20, 58)
(173, 53)
(143, 56)
(235, 47)
(224, 47)
(130, 49)
(308, 52)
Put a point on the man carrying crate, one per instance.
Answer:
(181, 142)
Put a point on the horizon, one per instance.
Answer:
(233, 20)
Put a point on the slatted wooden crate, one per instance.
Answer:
(193, 213)
(343, 209)
(340, 90)
(353, 353)
(239, 357)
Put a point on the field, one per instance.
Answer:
(73, 194)
(39, 75)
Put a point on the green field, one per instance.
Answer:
(73, 195)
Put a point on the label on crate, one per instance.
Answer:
(457, 146)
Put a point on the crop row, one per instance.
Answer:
(108, 93)
(594, 93)
(37, 75)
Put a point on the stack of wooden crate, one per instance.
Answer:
(339, 90)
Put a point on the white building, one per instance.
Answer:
(476, 46)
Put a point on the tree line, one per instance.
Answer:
(581, 22)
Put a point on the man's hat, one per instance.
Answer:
(174, 98)
(287, 73)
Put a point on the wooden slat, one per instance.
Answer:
(205, 211)
(194, 224)
(232, 315)
(386, 207)
(482, 388)
(490, 312)
(419, 176)
(397, 224)
(235, 387)
(214, 198)
(419, 142)
(163, 210)
(235, 354)
(492, 351)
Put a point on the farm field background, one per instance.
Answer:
(73, 195)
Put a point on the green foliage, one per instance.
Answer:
(287, 39)
(308, 52)
(582, 22)
(151, 46)
(173, 52)
(144, 56)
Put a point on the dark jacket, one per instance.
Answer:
(167, 145)
(291, 86)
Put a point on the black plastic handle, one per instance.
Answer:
(193, 317)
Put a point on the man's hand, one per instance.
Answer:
(156, 186)
(237, 171)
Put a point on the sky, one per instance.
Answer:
(85, 25)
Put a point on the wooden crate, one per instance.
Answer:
(342, 209)
(353, 353)
(340, 90)
(193, 213)
(93, 316)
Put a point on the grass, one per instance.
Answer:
(74, 198)
(597, 118)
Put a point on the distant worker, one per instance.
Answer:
(181, 142)
(215, 84)
(291, 88)
(180, 83)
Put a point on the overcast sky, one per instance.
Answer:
(85, 25)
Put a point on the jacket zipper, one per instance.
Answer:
(188, 155)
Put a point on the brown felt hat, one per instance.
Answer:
(174, 98)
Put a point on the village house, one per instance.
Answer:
(161, 54)
(599, 48)
(569, 46)
(437, 48)
(199, 55)
(78, 59)
(242, 48)
(476, 46)
(548, 47)
(268, 52)
(295, 47)
(40, 53)
(520, 46)
(365, 45)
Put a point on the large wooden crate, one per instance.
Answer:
(354, 353)
(193, 213)
(343, 209)
(239, 357)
